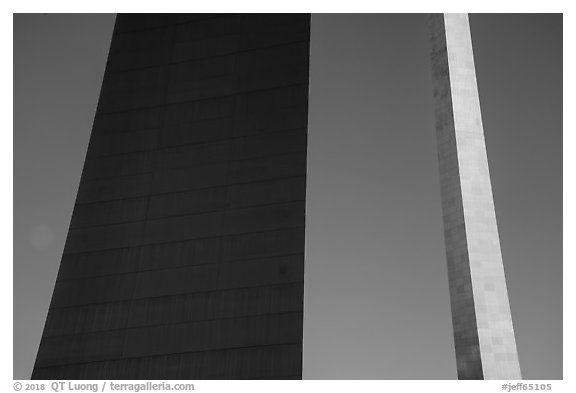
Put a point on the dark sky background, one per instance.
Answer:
(376, 291)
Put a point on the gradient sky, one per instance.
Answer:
(376, 290)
